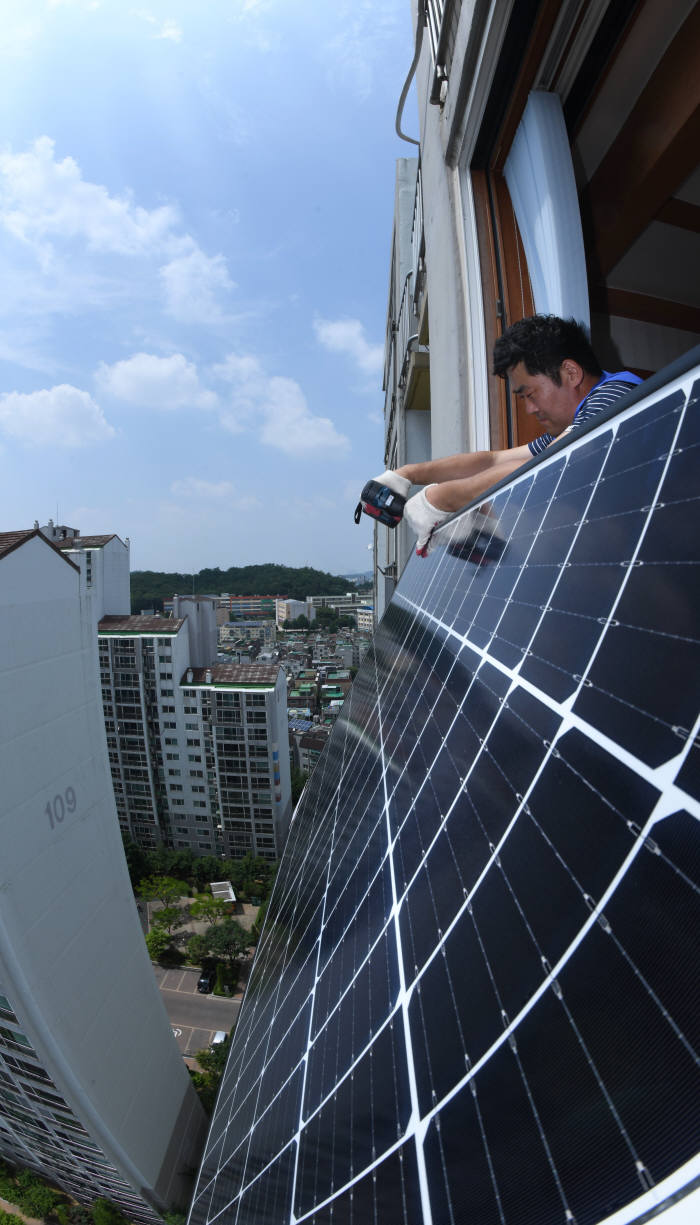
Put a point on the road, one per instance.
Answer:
(195, 1018)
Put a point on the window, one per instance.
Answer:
(168, 693)
(171, 739)
(172, 756)
(174, 773)
(194, 741)
(194, 757)
(191, 727)
(196, 787)
(176, 803)
(176, 786)
(196, 773)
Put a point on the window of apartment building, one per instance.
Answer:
(190, 710)
(197, 788)
(191, 727)
(204, 846)
(194, 741)
(174, 773)
(182, 845)
(172, 756)
(171, 739)
(199, 803)
(165, 657)
(194, 757)
(175, 786)
(177, 803)
(196, 774)
(165, 676)
(167, 693)
(199, 817)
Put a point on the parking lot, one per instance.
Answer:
(194, 1018)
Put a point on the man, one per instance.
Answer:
(550, 364)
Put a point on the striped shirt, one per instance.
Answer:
(606, 391)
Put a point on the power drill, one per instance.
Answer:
(380, 503)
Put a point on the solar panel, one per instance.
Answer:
(475, 997)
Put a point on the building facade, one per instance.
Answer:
(93, 1093)
(189, 772)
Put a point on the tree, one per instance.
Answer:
(168, 918)
(165, 889)
(298, 784)
(197, 948)
(105, 1213)
(229, 940)
(136, 859)
(206, 868)
(207, 908)
(157, 943)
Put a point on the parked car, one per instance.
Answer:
(206, 981)
(219, 1037)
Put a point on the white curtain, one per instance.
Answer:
(540, 178)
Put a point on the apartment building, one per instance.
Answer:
(93, 1093)
(194, 750)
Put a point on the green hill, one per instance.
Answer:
(150, 587)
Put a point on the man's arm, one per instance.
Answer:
(459, 467)
(452, 495)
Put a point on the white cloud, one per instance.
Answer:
(168, 29)
(60, 416)
(348, 336)
(192, 282)
(365, 35)
(43, 199)
(277, 407)
(195, 489)
(58, 216)
(155, 382)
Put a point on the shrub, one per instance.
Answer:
(105, 1213)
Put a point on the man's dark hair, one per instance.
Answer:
(542, 343)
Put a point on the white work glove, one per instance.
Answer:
(423, 519)
(392, 480)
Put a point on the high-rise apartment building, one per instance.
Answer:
(199, 754)
(93, 1092)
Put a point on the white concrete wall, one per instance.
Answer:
(276, 707)
(116, 588)
(71, 941)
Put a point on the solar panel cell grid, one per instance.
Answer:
(475, 997)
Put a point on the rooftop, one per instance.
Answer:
(236, 675)
(140, 625)
(85, 542)
(13, 540)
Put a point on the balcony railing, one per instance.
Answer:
(442, 19)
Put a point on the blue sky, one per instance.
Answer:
(195, 220)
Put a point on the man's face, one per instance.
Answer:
(553, 406)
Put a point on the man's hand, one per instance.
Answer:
(392, 480)
(422, 517)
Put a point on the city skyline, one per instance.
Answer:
(189, 356)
